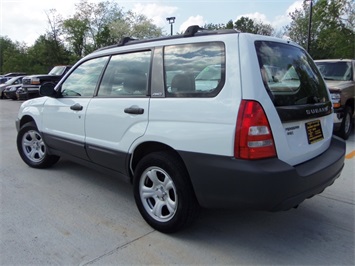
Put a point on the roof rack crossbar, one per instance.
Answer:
(125, 40)
(192, 30)
(122, 42)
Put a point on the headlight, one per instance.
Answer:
(335, 99)
(35, 81)
(12, 89)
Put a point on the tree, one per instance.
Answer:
(332, 27)
(212, 26)
(219, 26)
(230, 24)
(53, 38)
(102, 24)
(88, 28)
(55, 25)
(13, 56)
(5, 45)
(41, 55)
(245, 24)
(134, 25)
(75, 31)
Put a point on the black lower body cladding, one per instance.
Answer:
(271, 184)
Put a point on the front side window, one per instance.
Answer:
(289, 75)
(126, 75)
(194, 70)
(84, 79)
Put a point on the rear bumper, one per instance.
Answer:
(271, 184)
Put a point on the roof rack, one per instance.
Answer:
(197, 30)
(192, 30)
(122, 42)
(125, 40)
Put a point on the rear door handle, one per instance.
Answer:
(135, 110)
(76, 107)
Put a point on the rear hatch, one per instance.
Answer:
(301, 121)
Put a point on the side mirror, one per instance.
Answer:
(47, 89)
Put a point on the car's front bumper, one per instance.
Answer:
(270, 184)
(28, 91)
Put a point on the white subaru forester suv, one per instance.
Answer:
(217, 119)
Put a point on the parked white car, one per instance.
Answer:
(147, 112)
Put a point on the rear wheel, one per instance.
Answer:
(163, 192)
(347, 124)
(32, 148)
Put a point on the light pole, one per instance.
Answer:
(171, 22)
(309, 27)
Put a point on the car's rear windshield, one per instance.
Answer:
(340, 71)
(289, 75)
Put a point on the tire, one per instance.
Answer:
(32, 148)
(347, 124)
(163, 192)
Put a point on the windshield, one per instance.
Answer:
(289, 75)
(340, 71)
(57, 71)
(12, 80)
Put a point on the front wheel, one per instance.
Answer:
(347, 124)
(163, 192)
(32, 148)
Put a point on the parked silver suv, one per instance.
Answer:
(339, 75)
(218, 119)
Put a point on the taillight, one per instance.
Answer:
(253, 136)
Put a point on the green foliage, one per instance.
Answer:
(43, 57)
(134, 25)
(332, 28)
(75, 31)
(212, 26)
(245, 24)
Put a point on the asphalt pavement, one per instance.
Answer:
(72, 215)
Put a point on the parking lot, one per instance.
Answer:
(72, 215)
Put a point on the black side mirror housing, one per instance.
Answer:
(47, 89)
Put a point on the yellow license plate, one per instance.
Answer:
(314, 131)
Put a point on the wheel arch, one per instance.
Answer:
(26, 119)
(350, 103)
(146, 148)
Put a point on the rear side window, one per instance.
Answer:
(194, 70)
(289, 75)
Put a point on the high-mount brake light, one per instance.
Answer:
(253, 136)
